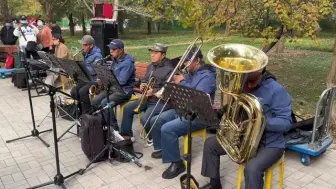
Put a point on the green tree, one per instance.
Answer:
(249, 17)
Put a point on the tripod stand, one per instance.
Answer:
(34, 132)
(109, 81)
(190, 104)
(59, 178)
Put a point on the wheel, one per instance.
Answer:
(305, 159)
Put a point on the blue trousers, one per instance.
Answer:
(146, 109)
(168, 129)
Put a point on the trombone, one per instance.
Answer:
(149, 84)
(180, 67)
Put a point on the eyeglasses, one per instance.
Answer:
(85, 44)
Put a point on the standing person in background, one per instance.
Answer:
(45, 37)
(55, 28)
(27, 35)
(6, 34)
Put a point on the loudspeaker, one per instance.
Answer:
(103, 33)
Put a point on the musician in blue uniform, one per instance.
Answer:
(170, 126)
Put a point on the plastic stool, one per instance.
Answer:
(268, 174)
(193, 134)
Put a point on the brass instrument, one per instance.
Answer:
(93, 90)
(149, 84)
(239, 136)
(181, 67)
(73, 56)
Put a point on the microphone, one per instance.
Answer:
(102, 59)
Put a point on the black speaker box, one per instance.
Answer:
(104, 32)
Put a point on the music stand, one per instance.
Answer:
(108, 80)
(77, 72)
(191, 104)
(34, 132)
(59, 178)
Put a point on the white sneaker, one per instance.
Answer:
(149, 143)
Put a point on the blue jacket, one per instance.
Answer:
(124, 70)
(277, 107)
(90, 58)
(203, 79)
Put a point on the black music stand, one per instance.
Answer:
(77, 72)
(109, 81)
(34, 132)
(59, 178)
(191, 104)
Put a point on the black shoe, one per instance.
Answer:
(43, 91)
(174, 170)
(157, 154)
(207, 186)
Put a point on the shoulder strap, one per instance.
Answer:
(22, 34)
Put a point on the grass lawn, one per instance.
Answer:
(303, 70)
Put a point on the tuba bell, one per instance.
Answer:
(243, 122)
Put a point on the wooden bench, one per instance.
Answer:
(9, 48)
(141, 70)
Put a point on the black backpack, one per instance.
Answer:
(93, 136)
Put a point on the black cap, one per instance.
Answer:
(23, 18)
(192, 52)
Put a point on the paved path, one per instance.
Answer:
(28, 162)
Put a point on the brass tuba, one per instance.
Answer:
(243, 122)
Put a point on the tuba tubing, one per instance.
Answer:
(243, 122)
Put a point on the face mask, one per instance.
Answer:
(39, 23)
(7, 24)
(24, 23)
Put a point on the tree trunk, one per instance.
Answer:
(4, 10)
(159, 27)
(121, 22)
(331, 81)
(49, 10)
(71, 25)
(227, 28)
(83, 24)
(149, 27)
(280, 48)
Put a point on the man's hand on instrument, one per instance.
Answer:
(178, 78)
(142, 86)
(149, 92)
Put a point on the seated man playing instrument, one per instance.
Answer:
(91, 54)
(124, 70)
(159, 70)
(169, 126)
(277, 108)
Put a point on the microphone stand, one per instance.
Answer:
(59, 178)
(108, 145)
(34, 132)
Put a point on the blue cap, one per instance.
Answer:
(116, 44)
(192, 52)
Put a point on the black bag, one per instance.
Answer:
(31, 46)
(125, 146)
(93, 136)
(19, 79)
(67, 111)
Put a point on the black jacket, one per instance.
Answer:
(7, 36)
